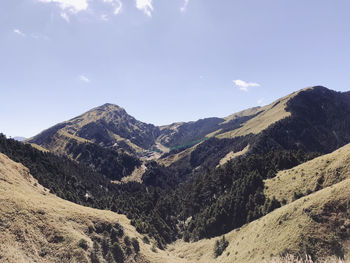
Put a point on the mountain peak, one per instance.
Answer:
(109, 107)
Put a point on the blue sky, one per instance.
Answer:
(164, 60)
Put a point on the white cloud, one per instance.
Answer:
(116, 4)
(145, 6)
(65, 17)
(243, 85)
(184, 7)
(19, 32)
(72, 6)
(83, 78)
(69, 7)
(31, 35)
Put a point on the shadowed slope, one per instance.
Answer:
(318, 225)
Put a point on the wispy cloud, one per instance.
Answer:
(72, 6)
(243, 85)
(69, 7)
(116, 4)
(30, 35)
(145, 6)
(84, 78)
(19, 32)
(184, 7)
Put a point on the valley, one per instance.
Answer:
(272, 180)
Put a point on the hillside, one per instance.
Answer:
(36, 226)
(108, 125)
(241, 124)
(203, 187)
(313, 120)
(317, 224)
(311, 176)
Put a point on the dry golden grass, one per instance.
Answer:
(306, 259)
(233, 155)
(316, 174)
(128, 142)
(136, 175)
(38, 147)
(71, 128)
(33, 222)
(267, 237)
(243, 113)
(59, 142)
(269, 115)
(36, 226)
(167, 161)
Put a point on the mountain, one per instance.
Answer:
(313, 120)
(304, 179)
(108, 126)
(215, 175)
(317, 225)
(20, 139)
(109, 131)
(106, 138)
(37, 226)
(49, 229)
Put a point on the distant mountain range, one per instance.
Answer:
(20, 139)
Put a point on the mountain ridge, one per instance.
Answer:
(211, 185)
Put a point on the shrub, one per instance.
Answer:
(127, 241)
(109, 257)
(135, 244)
(94, 256)
(297, 195)
(117, 252)
(105, 246)
(220, 246)
(119, 229)
(145, 240)
(83, 244)
(128, 251)
(154, 249)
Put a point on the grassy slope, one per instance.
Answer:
(285, 228)
(281, 229)
(34, 222)
(56, 137)
(315, 174)
(269, 115)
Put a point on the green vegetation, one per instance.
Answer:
(220, 246)
(193, 198)
(135, 244)
(83, 244)
(187, 145)
(114, 165)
